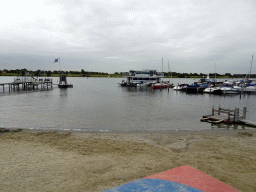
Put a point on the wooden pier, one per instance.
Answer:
(221, 115)
(28, 83)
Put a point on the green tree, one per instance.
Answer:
(82, 71)
(48, 73)
(228, 74)
(37, 73)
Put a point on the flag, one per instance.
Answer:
(56, 60)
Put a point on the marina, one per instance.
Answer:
(99, 104)
(153, 79)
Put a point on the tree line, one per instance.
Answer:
(21, 72)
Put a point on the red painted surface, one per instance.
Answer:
(194, 178)
(158, 86)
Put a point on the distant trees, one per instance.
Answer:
(85, 73)
(48, 73)
(228, 74)
(37, 73)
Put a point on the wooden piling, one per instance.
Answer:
(244, 112)
(228, 114)
(236, 114)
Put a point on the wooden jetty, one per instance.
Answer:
(221, 115)
(27, 83)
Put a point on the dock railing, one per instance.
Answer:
(234, 113)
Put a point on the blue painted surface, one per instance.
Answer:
(152, 185)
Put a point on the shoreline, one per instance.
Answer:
(37, 160)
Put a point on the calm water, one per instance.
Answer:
(100, 104)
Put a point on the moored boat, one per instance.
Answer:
(250, 88)
(213, 90)
(229, 89)
(180, 87)
(196, 88)
(159, 86)
(142, 84)
(148, 77)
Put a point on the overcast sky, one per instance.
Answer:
(123, 35)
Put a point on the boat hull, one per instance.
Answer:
(65, 86)
(230, 91)
(250, 89)
(161, 86)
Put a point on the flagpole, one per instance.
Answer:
(60, 65)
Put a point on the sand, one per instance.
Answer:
(78, 161)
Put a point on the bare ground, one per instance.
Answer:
(63, 161)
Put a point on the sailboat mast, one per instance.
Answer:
(251, 68)
(162, 65)
(169, 71)
(59, 63)
(215, 73)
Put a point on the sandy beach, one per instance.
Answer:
(78, 161)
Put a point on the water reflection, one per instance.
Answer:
(231, 126)
(63, 92)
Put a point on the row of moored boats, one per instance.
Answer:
(214, 87)
(151, 78)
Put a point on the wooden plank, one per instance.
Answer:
(248, 122)
(216, 122)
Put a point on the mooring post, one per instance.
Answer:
(228, 114)
(244, 112)
(219, 110)
(236, 114)
(213, 110)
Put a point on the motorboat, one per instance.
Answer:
(192, 88)
(240, 88)
(142, 84)
(148, 77)
(213, 90)
(250, 88)
(180, 87)
(229, 89)
(196, 88)
(159, 86)
(171, 85)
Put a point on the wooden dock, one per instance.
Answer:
(248, 122)
(228, 116)
(26, 83)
